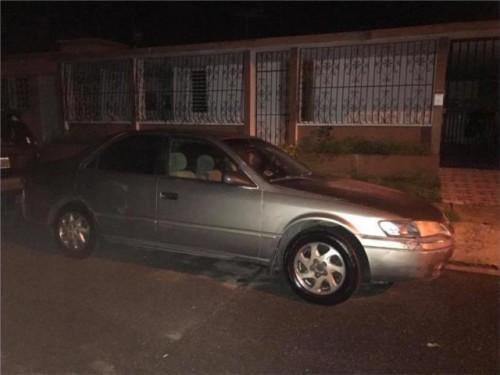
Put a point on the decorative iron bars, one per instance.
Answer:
(271, 108)
(368, 84)
(470, 133)
(15, 93)
(97, 91)
(204, 89)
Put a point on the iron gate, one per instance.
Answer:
(470, 136)
(271, 104)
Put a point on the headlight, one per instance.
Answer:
(399, 228)
(430, 228)
(412, 229)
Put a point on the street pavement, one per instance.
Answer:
(131, 311)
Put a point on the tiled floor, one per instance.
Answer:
(470, 186)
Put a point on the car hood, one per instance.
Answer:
(368, 195)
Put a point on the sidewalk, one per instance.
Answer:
(473, 196)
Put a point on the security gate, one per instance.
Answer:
(470, 136)
(271, 104)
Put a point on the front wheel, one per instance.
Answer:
(75, 232)
(322, 266)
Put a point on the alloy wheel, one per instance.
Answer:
(74, 231)
(319, 268)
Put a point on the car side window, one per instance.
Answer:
(135, 154)
(197, 160)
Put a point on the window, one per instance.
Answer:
(97, 91)
(199, 90)
(135, 154)
(372, 84)
(156, 89)
(15, 93)
(198, 160)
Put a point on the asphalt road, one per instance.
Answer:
(125, 310)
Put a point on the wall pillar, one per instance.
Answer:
(293, 97)
(249, 95)
(438, 111)
(132, 95)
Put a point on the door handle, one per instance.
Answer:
(168, 195)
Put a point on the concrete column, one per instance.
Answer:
(249, 92)
(439, 88)
(293, 97)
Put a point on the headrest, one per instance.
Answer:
(204, 163)
(177, 162)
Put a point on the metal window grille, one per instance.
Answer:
(202, 89)
(272, 90)
(15, 93)
(199, 89)
(374, 84)
(97, 91)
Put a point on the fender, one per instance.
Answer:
(320, 221)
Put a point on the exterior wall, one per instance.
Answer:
(85, 132)
(89, 132)
(224, 129)
(46, 65)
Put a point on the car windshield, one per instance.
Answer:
(268, 161)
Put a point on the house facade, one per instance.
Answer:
(436, 85)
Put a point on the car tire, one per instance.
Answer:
(322, 267)
(75, 232)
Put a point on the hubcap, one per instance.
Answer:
(74, 230)
(319, 268)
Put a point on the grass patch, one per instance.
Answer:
(321, 141)
(356, 145)
(420, 185)
(423, 186)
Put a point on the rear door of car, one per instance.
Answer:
(119, 185)
(197, 211)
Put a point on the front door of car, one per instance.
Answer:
(120, 187)
(198, 212)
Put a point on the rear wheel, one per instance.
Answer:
(322, 266)
(75, 232)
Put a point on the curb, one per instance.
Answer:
(473, 268)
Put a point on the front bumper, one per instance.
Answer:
(398, 259)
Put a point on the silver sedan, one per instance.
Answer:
(238, 198)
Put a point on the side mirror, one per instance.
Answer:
(237, 179)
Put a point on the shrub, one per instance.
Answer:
(322, 142)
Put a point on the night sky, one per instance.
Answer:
(35, 26)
